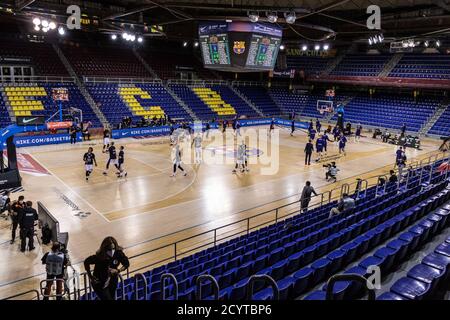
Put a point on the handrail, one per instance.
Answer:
(358, 188)
(122, 286)
(266, 278)
(136, 291)
(29, 80)
(163, 285)
(24, 293)
(198, 284)
(347, 277)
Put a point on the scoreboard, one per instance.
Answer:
(263, 52)
(215, 49)
(239, 46)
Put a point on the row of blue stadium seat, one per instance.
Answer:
(284, 252)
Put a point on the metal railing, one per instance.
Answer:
(34, 79)
(267, 279)
(106, 79)
(212, 281)
(213, 237)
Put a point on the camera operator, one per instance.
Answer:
(332, 171)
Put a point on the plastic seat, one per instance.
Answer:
(410, 288)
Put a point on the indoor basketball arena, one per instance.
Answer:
(228, 151)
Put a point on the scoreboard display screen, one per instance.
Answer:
(239, 46)
(263, 52)
(215, 49)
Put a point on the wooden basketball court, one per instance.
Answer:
(149, 209)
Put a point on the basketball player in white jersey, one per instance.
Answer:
(197, 143)
(176, 160)
(240, 158)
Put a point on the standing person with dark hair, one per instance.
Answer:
(292, 127)
(26, 222)
(16, 210)
(112, 158)
(318, 125)
(106, 137)
(55, 263)
(305, 198)
(121, 173)
(403, 132)
(106, 270)
(89, 161)
(73, 134)
(309, 148)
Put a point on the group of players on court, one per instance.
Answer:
(114, 159)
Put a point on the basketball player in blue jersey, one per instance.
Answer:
(89, 161)
(325, 141)
(272, 126)
(238, 128)
(292, 127)
(318, 125)
(358, 133)
(336, 133)
(112, 158)
(311, 125)
(342, 142)
(319, 148)
(312, 133)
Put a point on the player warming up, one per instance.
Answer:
(121, 173)
(112, 158)
(89, 161)
(272, 126)
(197, 143)
(105, 140)
(342, 142)
(240, 158)
(176, 160)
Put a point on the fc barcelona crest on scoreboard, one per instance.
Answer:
(239, 47)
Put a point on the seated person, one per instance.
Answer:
(393, 177)
(346, 203)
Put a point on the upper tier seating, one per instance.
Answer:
(310, 65)
(135, 101)
(304, 105)
(168, 65)
(105, 62)
(41, 56)
(223, 99)
(361, 65)
(36, 99)
(427, 66)
(304, 250)
(442, 126)
(261, 98)
(390, 111)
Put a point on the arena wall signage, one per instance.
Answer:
(33, 141)
(39, 140)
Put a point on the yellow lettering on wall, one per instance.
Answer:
(21, 99)
(129, 94)
(214, 101)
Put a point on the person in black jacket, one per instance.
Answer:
(27, 217)
(16, 209)
(309, 148)
(106, 260)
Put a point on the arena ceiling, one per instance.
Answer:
(341, 20)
